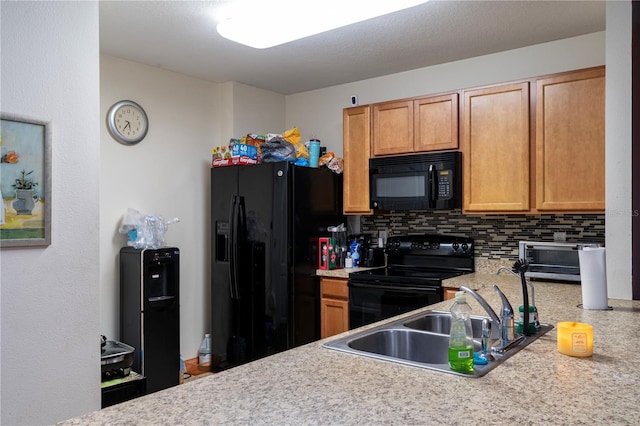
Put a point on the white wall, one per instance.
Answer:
(618, 150)
(50, 295)
(319, 112)
(167, 174)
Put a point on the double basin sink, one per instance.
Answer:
(422, 340)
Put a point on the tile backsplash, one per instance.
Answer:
(496, 236)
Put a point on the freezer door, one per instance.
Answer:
(224, 186)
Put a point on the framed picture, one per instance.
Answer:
(25, 182)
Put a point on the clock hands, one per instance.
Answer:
(126, 125)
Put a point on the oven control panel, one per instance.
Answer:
(430, 245)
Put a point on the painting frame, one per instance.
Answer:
(25, 154)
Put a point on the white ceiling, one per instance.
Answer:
(180, 36)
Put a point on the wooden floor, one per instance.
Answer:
(190, 377)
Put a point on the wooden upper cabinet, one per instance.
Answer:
(393, 128)
(415, 125)
(495, 148)
(356, 140)
(570, 141)
(436, 123)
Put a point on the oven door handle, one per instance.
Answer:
(433, 290)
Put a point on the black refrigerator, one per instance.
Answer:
(266, 220)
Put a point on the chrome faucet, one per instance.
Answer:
(504, 268)
(502, 323)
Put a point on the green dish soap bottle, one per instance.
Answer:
(460, 336)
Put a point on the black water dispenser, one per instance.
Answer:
(150, 312)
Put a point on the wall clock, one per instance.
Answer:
(127, 122)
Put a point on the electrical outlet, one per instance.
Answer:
(383, 235)
(559, 236)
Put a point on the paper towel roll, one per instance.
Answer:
(593, 274)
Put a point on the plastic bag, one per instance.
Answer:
(336, 165)
(277, 149)
(293, 137)
(144, 230)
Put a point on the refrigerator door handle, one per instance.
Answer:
(233, 245)
(238, 224)
(242, 223)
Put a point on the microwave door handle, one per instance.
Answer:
(432, 182)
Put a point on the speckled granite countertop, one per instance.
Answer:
(314, 385)
(341, 273)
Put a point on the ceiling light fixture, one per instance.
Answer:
(262, 24)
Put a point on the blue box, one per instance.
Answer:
(243, 150)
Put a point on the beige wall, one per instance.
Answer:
(167, 174)
(319, 113)
(618, 150)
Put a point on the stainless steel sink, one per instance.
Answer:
(440, 322)
(422, 340)
(408, 345)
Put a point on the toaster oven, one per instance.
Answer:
(553, 261)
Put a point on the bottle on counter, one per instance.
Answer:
(204, 353)
(461, 336)
(348, 262)
(533, 320)
(355, 252)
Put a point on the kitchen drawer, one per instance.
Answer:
(335, 288)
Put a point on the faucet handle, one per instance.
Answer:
(506, 308)
(486, 335)
(507, 333)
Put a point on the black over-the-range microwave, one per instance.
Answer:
(416, 182)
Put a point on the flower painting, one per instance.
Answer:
(25, 183)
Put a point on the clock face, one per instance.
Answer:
(127, 122)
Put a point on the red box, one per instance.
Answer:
(326, 253)
(233, 161)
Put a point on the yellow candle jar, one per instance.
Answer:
(575, 339)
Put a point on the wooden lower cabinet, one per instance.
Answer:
(450, 293)
(334, 306)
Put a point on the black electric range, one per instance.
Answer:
(412, 279)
